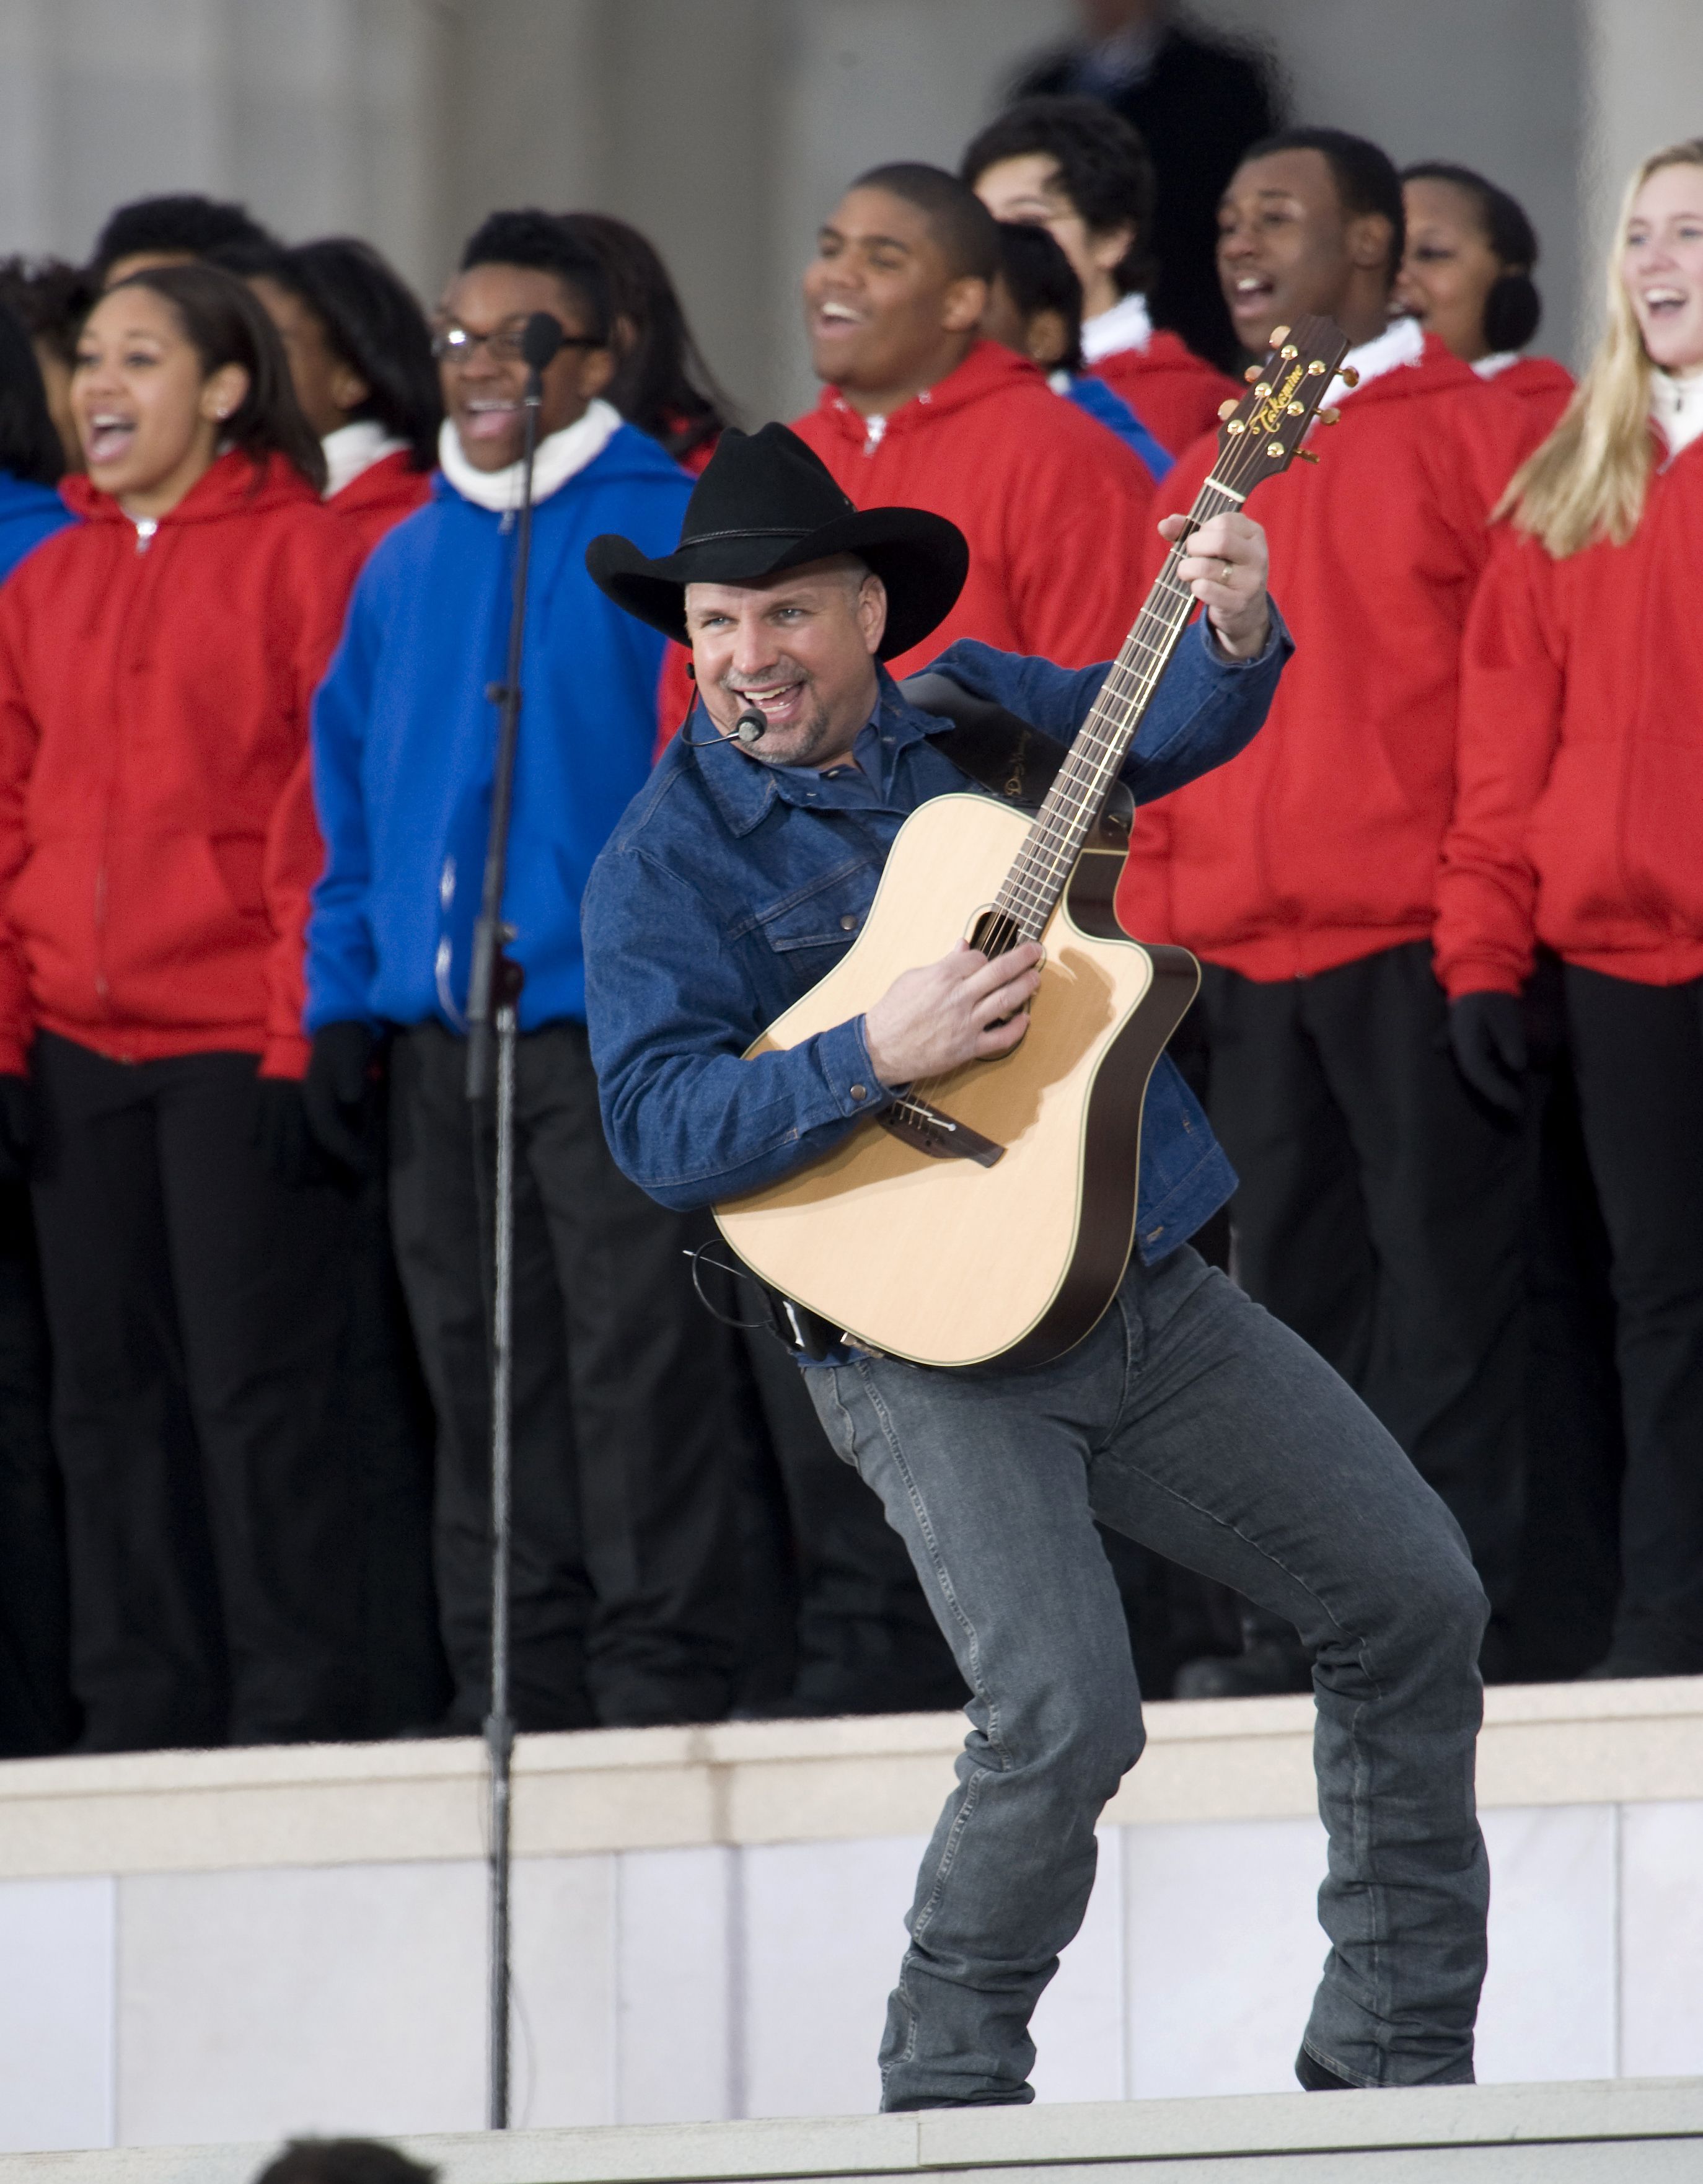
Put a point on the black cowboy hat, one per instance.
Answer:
(766, 503)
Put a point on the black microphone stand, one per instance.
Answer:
(494, 995)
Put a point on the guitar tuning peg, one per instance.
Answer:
(1349, 375)
(1329, 416)
(1279, 336)
(1306, 455)
(1228, 409)
(1252, 373)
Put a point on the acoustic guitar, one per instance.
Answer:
(990, 1212)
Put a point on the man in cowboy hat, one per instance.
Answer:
(1187, 1419)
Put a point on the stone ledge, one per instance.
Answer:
(1635, 2117)
(765, 1782)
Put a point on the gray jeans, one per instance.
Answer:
(1193, 1421)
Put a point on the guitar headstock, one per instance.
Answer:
(1261, 434)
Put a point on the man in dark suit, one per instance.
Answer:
(1198, 103)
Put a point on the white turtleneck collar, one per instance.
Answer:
(1126, 325)
(1677, 406)
(352, 448)
(1402, 342)
(1493, 365)
(560, 456)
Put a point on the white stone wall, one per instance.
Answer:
(715, 1982)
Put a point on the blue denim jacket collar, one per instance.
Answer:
(742, 789)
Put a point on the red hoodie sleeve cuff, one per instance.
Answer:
(285, 1057)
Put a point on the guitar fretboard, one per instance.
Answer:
(1032, 887)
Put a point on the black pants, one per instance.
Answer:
(384, 1435)
(626, 1603)
(195, 1309)
(1638, 1055)
(1575, 1452)
(36, 1711)
(1382, 1214)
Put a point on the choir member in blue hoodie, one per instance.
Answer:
(36, 1710)
(31, 459)
(623, 1608)
(1035, 306)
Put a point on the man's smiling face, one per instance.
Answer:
(800, 647)
(883, 308)
(1283, 243)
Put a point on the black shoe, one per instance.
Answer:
(1268, 1666)
(1315, 2078)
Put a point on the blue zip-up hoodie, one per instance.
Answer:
(28, 514)
(404, 741)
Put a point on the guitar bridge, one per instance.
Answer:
(929, 1131)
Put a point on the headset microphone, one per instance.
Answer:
(750, 727)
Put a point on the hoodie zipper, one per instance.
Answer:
(145, 531)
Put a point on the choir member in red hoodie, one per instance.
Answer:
(360, 361)
(157, 662)
(1077, 168)
(1576, 826)
(920, 412)
(1467, 277)
(1381, 1204)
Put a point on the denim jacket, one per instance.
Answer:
(730, 887)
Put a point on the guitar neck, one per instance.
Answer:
(1044, 866)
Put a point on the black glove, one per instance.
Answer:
(340, 1096)
(17, 1128)
(281, 1130)
(1488, 1032)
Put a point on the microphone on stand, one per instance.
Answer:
(541, 339)
(493, 993)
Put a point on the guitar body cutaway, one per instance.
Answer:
(947, 1262)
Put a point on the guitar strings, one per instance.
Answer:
(1006, 929)
(1032, 889)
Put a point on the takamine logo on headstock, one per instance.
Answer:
(1261, 434)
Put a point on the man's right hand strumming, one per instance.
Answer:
(964, 1008)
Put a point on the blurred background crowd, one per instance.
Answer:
(256, 500)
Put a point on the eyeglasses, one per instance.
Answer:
(456, 344)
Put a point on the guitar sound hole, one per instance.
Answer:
(995, 934)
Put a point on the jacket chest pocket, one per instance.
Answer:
(825, 912)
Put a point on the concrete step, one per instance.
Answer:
(1611, 2131)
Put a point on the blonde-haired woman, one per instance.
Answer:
(1579, 801)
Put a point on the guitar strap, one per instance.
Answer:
(1003, 754)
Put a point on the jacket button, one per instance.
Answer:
(848, 923)
(860, 1091)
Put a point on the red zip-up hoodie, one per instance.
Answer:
(1320, 843)
(152, 706)
(375, 499)
(1176, 394)
(1056, 508)
(1581, 788)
